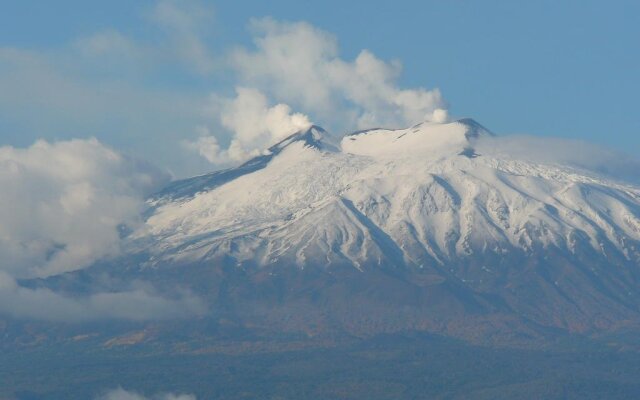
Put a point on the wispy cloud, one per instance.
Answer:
(575, 153)
(138, 304)
(186, 23)
(64, 94)
(111, 84)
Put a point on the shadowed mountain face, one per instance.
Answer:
(392, 231)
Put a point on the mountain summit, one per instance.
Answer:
(424, 139)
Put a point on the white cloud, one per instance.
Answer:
(299, 64)
(255, 126)
(62, 207)
(62, 204)
(121, 394)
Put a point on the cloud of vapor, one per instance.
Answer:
(255, 126)
(63, 204)
(299, 64)
(121, 394)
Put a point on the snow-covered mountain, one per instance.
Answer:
(425, 228)
(415, 196)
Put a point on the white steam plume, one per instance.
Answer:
(255, 126)
(300, 65)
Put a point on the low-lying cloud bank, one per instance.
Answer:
(63, 206)
(121, 394)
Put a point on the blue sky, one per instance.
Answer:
(567, 69)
